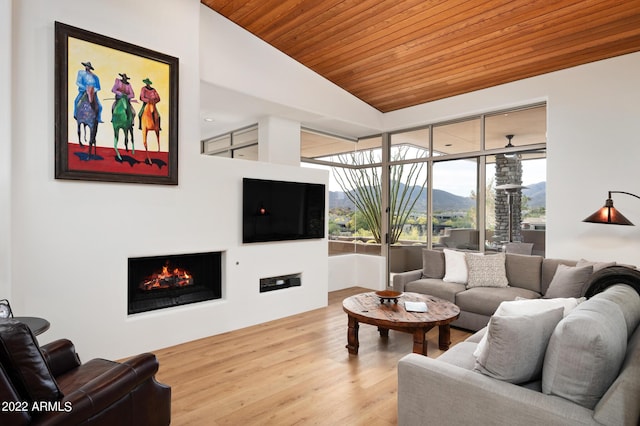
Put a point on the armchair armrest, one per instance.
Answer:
(61, 356)
(428, 388)
(401, 279)
(103, 391)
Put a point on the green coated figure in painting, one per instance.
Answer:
(122, 113)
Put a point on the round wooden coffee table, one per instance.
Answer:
(367, 308)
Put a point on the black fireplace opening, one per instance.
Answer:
(159, 282)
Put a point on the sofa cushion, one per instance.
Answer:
(478, 336)
(523, 271)
(516, 345)
(569, 281)
(621, 399)
(585, 353)
(24, 363)
(628, 300)
(485, 300)
(432, 264)
(455, 265)
(435, 287)
(460, 355)
(596, 265)
(549, 267)
(486, 271)
(522, 306)
(77, 377)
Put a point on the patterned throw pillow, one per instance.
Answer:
(486, 271)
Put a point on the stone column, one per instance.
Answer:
(508, 171)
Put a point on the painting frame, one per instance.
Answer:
(94, 157)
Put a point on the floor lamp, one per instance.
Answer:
(609, 214)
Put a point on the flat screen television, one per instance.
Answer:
(280, 211)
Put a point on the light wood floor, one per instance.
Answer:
(292, 371)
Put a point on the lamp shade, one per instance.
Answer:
(609, 215)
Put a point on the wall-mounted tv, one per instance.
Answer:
(279, 211)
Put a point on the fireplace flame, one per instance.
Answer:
(177, 277)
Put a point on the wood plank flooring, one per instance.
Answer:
(291, 371)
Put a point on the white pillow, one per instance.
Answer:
(522, 306)
(455, 267)
(486, 271)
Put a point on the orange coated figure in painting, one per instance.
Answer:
(148, 115)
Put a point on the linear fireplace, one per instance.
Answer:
(164, 281)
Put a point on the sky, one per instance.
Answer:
(458, 177)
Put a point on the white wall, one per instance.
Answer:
(233, 58)
(593, 145)
(279, 141)
(5, 149)
(71, 239)
(362, 270)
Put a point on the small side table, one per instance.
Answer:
(37, 325)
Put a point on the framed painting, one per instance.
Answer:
(116, 110)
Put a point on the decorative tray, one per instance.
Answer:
(388, 295)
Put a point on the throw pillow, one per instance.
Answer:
(522, 306)
(585, 353)
(596, 265)
(568, 281)
(24, 363)
(628, 300)
(432, 264)
(486, 271)
(516, 346)
(455, 267)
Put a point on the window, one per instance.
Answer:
(444, 182)
(355, 194)
(455, 219)
(241, 143)
(458, 137)
(410, 144)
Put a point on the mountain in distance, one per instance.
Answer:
(444, 201)
(537, 193)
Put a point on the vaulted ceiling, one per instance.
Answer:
(397, 53)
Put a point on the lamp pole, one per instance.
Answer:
(510, 189)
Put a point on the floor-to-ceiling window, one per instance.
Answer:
(516, 180)
(408, 197)
(475, 183)
(355, 189)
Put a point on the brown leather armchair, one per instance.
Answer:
(49, 385)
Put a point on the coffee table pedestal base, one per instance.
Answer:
(419, 340)
(352, 336)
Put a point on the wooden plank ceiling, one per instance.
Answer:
(398, 53)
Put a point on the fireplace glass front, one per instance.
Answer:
(164, 281)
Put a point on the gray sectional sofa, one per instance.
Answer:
(588, 372)
(528, 277)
